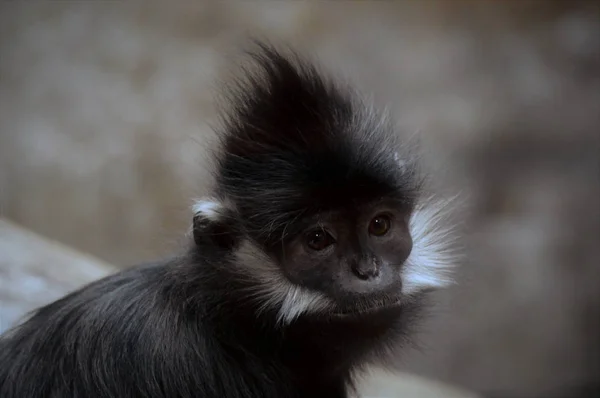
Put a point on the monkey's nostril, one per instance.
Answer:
(365, 272)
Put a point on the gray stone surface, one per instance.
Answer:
(35, 271)
(105, 114)
(382, 384)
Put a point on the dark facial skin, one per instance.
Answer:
(353, 255)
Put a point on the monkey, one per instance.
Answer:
(310, 260)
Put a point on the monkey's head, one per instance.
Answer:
(317, 199)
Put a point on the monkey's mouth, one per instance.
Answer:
(368, 308)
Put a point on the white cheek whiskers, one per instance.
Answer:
(434, 252)
(272, 289)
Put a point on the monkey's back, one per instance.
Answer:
(124, 336)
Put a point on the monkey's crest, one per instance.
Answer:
(298, 143)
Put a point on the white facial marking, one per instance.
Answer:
(433, 254)
(273, 290)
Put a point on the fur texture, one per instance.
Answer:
(223, 319)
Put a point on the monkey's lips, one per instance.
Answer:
(368, 307)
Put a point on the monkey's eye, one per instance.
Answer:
(380, 225)
(319, 239)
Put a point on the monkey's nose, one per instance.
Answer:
(365, 271)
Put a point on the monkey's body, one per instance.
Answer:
(308, 263)
(110, 340)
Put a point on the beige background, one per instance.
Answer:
(105, 114)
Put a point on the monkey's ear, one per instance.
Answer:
(215, 224)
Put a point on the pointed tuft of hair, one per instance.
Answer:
(297, 142)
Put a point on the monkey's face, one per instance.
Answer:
(354, 257)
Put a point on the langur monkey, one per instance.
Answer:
(309, 260)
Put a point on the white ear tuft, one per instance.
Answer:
(210, 208)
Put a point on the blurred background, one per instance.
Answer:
(105, 119)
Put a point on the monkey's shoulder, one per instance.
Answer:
(123, 335)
